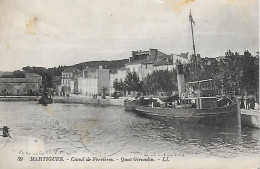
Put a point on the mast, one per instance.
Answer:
(191, 24)
(195, 57)
(194, 50)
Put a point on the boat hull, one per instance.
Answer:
(45, 101)
(130, 105)
(223, 116)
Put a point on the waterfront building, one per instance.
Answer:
(56, 83)
(5, 73)
(69, 80)
(219, 58)
(163, 65)
(35, 77)
(142, 62)
(118, 74)
(180, 58)
(145, 62)
(20, 86)
(207, 60)
(93, 81)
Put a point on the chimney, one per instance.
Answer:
(153, 53)
(133, 53)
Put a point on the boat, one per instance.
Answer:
(198, 102)
(45, 99)
(130, 104)
(45, 94)
(198, 109)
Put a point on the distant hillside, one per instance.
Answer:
(112, 65)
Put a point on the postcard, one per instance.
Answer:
(129, 84)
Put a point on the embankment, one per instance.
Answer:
(82, 100)
(69, 100)
(18, 98)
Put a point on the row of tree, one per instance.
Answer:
(158, 81)
(234, 72)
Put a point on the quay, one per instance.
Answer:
(18, 98)
(250, 118)
(89, 100)
(72, 99)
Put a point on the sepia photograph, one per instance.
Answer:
(171, 84)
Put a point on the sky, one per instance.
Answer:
(50, 33)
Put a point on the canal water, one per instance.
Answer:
(72, 129)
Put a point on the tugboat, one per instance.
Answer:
(46, 94)
(198, 103)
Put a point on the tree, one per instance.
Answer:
(161, 81)
(116, 85)
(132, 82)
(104, 89)
(240, 73)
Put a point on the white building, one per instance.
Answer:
(142, 68)
(168, 67)
(118, 74)
(93, 81)
(182, 58)
(69, 81)
(145, 62)
(142, 62)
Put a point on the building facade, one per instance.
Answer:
(21, 86)
(118, 74)
(93, 81)
(142, 62)
(69, 80)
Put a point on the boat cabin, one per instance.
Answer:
(202, 94)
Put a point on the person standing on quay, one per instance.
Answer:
(242, 105)
(248, 103)
(252, 103)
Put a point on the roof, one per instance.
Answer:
(161, 63)
(140, 52)
(206, 80)
(135, 62)
(17, 80)
(5, 73)
(184, 55)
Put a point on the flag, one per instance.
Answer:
(191, 19)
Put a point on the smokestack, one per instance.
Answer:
(180, 80)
